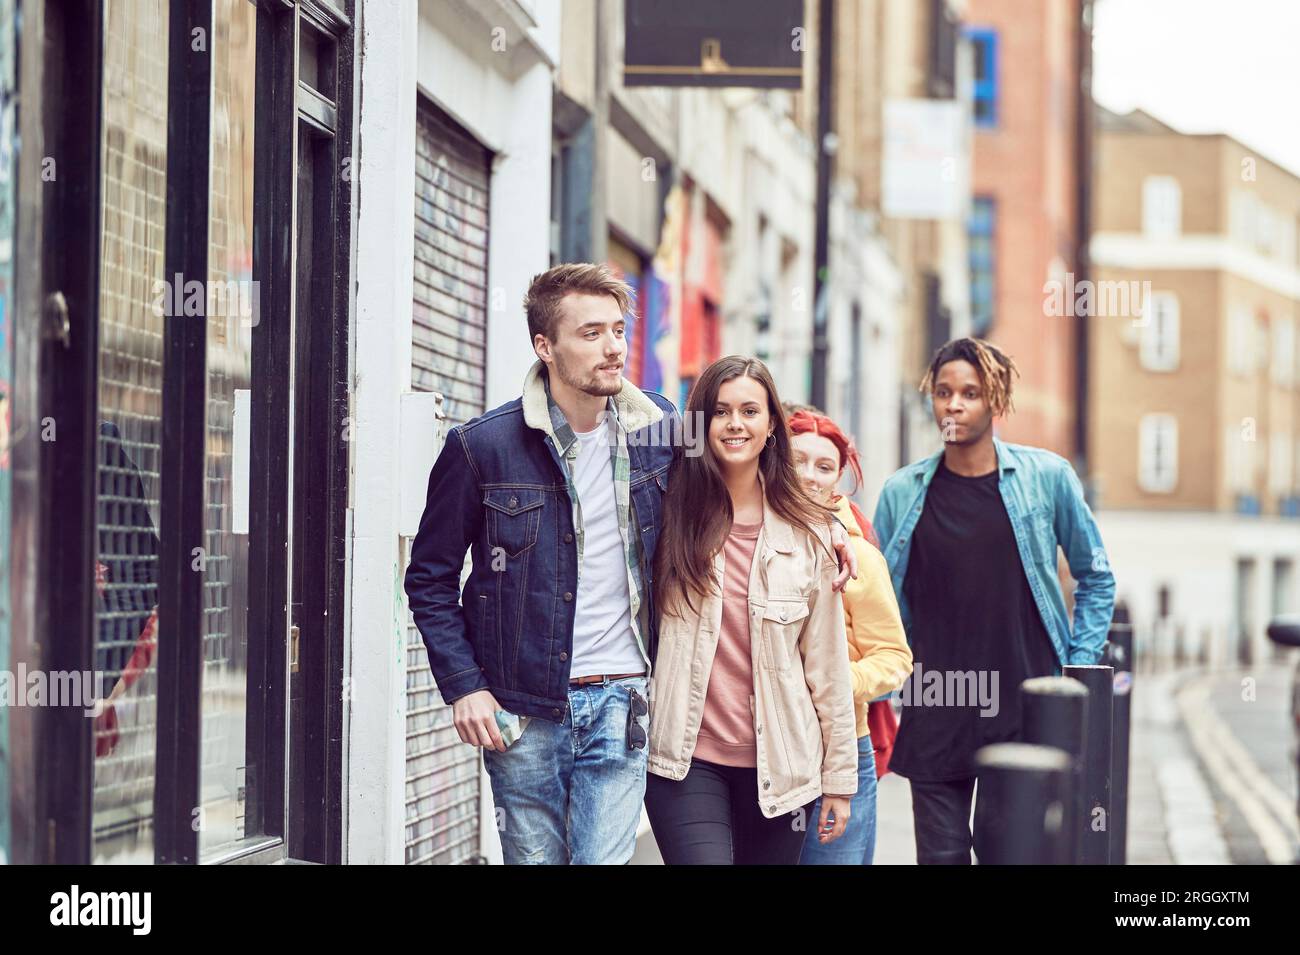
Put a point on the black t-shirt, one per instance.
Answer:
(976, 631)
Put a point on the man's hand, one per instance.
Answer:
(829, 830)
(844, 551)
(475, 718)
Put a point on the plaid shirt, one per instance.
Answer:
(566, 443)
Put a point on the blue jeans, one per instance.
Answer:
(858, 844)
(571, 792)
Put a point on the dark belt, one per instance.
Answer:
(602, 678)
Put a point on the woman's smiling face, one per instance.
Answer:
(817, 462)
(741, 423)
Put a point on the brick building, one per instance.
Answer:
(1027, 219)
(1195, 401)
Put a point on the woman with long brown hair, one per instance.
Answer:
(751, 697)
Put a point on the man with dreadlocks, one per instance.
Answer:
(971, 536)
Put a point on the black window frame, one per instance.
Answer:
(321, 404)
(64, 47)
(63, 44)
(181, 497)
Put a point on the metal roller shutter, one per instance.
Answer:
(449, 340)
(448, 355)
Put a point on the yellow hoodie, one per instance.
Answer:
(879, 657)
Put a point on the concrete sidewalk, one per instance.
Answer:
(895, 842)
(1172, 817)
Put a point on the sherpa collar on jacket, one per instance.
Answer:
(632, 410)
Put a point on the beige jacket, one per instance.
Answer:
(803, 691)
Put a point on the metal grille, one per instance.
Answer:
(442, 773)
(448, 355)
(449, 338)
(130, 426)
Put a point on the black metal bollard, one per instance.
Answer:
(1053, 712)
(1120, 613)
(1119, 654)
(1095, 789)
(1020, 804)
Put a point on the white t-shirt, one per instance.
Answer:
(603, 639)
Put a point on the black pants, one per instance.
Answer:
(941, 818)
(712, 818)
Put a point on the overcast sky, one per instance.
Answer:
(1202, 66)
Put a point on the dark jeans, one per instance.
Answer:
(712, 818)
(941, 816)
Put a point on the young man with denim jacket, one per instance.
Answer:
(544, 654)
(971, 537)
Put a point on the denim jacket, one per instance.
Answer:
(499, 490)
(1045, 503)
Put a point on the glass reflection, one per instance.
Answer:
(134, 156)
(232, 314)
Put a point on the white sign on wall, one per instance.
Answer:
(926, 168)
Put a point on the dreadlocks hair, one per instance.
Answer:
(994, 367)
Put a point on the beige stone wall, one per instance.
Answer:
(1254, 405)
(882, 53)
(576, 76)
(1124, 160)
(1122, 391)
(1228, 417)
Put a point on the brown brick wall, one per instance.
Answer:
(1026, 163)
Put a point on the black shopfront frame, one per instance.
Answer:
(295, 801)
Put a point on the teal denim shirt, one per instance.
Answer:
(1045, 503)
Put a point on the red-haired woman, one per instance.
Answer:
(878, 650)
(751, 712)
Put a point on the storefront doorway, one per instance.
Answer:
(184, 329)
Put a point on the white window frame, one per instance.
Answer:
(1286, 241)
(1266, 231)
(1158, 475)
(1162, 206)
(1283, 585)
(1239, 215)
(1239, 460)
(1283, 350)
(1279, 463)
(1242, 344)
(1159, 347)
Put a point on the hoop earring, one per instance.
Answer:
(771, 441)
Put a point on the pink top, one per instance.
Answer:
(727, 725)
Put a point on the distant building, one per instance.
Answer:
(1195, 401)
(913, 291)
(1026, 227)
